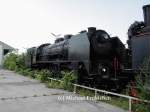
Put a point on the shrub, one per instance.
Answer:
(10, 61)
(14, 61)
(67, 80)
(20, 61)
(43, 75)
(26, 72)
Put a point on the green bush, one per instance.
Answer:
(26, 72)
(43, 75)
(20, 61)
(67, 80)
(10, 61)
(14, 61)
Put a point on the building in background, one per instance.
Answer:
(4, 49)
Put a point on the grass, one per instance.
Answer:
(53, 84)
(85, 92)
(119, 102)
(116, 101)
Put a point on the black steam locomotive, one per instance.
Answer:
(139, 39)
(98, 59)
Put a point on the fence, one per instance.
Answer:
(130, 98)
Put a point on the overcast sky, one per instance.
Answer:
(27, 23)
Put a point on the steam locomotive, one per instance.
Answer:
(97, 59)
(139, 39)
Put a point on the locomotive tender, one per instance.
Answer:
(98, 59)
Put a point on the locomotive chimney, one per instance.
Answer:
(91, 31)
(146, 12)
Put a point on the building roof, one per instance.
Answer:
(6, 46)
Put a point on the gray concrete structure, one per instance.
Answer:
(21, 94)
(4, 49)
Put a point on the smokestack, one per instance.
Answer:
(91, 31)
(146, 12)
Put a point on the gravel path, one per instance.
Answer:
(22, 94)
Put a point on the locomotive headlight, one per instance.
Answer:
(104, 69)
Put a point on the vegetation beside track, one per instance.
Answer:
(16, 63)
(143, 85)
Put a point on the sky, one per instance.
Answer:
(28, 23)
